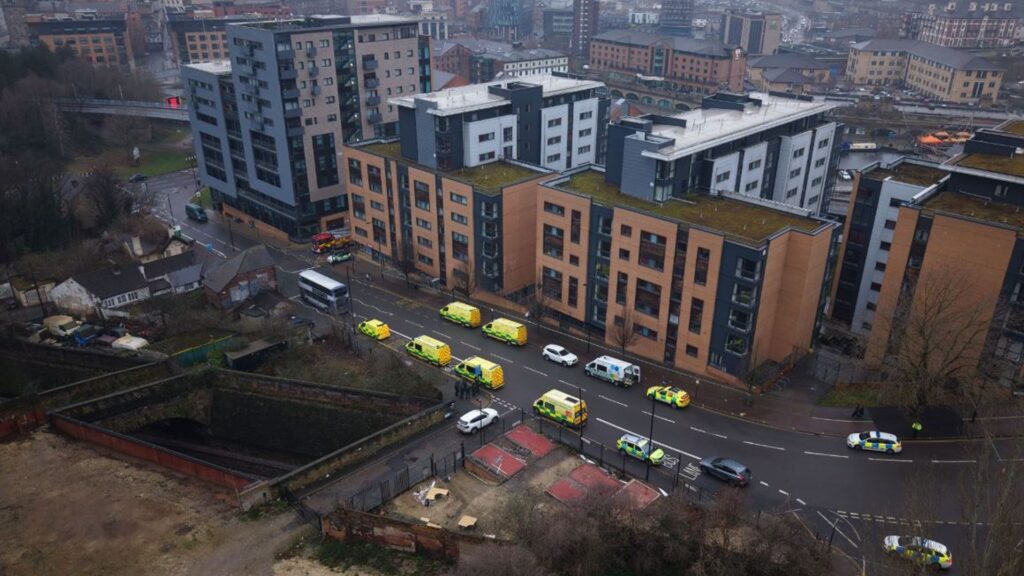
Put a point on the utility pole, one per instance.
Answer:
(231, 234)
(170, 212)
(650, 438)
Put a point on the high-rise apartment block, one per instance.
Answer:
(584, 27)
(676, 18)
(269, 124)
(758, 33)
(510, 20)
(714, 282)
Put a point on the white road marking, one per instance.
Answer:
(613, 401)
(833, 525)
(466, 344)
(723, 436)
(441, 334)
(503, 358)
(890, 460)
(765, 484)
(954, 461)
(802, 503)
(783, 492)
(660, 417)
(536, 371)
(826, 455)
(763, 445)
(415, 324)
(572, 385)
(617, 427)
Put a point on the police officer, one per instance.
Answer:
(916, 427)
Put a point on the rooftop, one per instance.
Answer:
(1008, 165)
(709, 127)
(478, 96)
(1015, 127)
(488, 178)
(496, 50)
(330, 21)
(908, 173)
(799, 61)
(974, 207)
(218, 67)
(958, 59)
(747, 221)
(702, 47)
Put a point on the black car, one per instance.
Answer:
(136, 178)
(727, 469)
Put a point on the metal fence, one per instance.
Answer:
(386, 487)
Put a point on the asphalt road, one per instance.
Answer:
(863, 495)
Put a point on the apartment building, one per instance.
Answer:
(939, 73)
(98, 38)
(557, 26)
(779, 149)
(746, 278)
(195, 40)
(584, 27)
(676, 18)
(683, 63)
(962, 236)
(962, 24)
(758, 33)
(269, 124)
(878, 192)
(510, 20)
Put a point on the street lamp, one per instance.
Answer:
(650, 438)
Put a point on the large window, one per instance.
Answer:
(573, 292)
(422, 195)
(652, 250)
(553, 208)
(358, 207)
(739, 320)
(355, 171)
(552, 284)
(460, 247)
(648, 297)
(621, 286)
(574, 227)
(554, 239)
(748, 269)
(696, 314)
(742, 295)
(373, 174)
(700, 271)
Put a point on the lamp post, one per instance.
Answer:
(650, 438)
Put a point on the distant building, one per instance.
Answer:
(241, 277)
(434, 24)
(795, 73)
(758, 33)
(684, 63)
(484, 60)
(584, 27)
(510, 20)
(558, 24)
(643, 18)
(98, 38)
(676, 18)
(962, 24)
(936, 72)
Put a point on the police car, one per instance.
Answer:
(640, 447)
(921, 550)
(670, 395)
(876, 441)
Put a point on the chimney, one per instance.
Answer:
(136, 245)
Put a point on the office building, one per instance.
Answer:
(98, 38)
(938, 73)
(510, 20)
(963, 24)
(268, 125)
(716, 284)
(758, 33)
(959, 238)
(676, 18)
(584, 27)
(683, 63)
(557, 29)
(484, 60)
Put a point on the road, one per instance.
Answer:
(816, 478)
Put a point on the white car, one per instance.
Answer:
(559, 355)
(475, 420)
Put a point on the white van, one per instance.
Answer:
(616, 371)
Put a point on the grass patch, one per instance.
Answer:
(343, 557)
(265, 510)
(189, 340)
(851, 395)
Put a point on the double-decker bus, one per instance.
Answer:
(323, 292)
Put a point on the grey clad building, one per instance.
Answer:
(269, 124)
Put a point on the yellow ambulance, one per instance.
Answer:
(461, 314)
(507, 331)
(429, 350)
(562, 408)
(488, 373)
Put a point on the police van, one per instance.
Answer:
(612, 370)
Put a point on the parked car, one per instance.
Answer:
(559, 355)
(476, 420)
(136, 178)
(640, 448)
(338, 257)
(920, 550)
(875, 441)
(727, 469)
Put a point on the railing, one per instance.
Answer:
(122, 103)
(370, 64)
(373, 101)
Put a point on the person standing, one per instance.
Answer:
(916, 427)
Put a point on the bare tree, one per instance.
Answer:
(406, 261)
(108, 200)
(464, 277)
(537, 304)
(623, 334)
(936, 338)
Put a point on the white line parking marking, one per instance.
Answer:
(765, 484)
(763, 445)
(617, 427)
(833, 525)
(536, 371)
(661, 418)
(468, 345)
(613, 401)
(954, 461)
(421, 326)
(802, 503)
(826, 455)
(783, 492)
(890, 460)
(503, 358)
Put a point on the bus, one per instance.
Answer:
(323, 292)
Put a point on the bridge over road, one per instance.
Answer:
(140, 108)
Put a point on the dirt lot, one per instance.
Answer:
(71, 508)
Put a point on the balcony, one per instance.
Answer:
(373, 101)
(287, 73)
(294, 131)
(314, 72)
(293, 113)
(290, 94)
(311, 51)
(374, 118)
(371, 83)
(370, 65)
(489, 214)
(286, 54)
(491, 272)
(315, 90)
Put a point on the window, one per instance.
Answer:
(554, 241)
(748, 269)
(325, 43)
(820, 162)
(700, 271)
(754, 165)
(553, 122)
(1001, 190)
(791, 192)
(739, 320)
(623, 254)
(554, 140)
(885, 246)
(722, 177)
(425, 242)
(751, 186)
(626, 230)
(573, 292)
(585, 132)
(880, 266)
(460, 247)
(506, 134)
(459, 218)
(574, 260)
(743, 295)
(692, 351)
(554, 209)
(798, 153)
(554, 158)
(358, 207)
(586, 115)
(890, 224)
(652, 250)
(823, 143)
(795, 172)
(696, 313)
(574, 226)
(736, 344)
(551, 283)
(487, 156)
(425, 260)
(486, 137)
(816, 181)
(647, 298)
(425, 224)
(355, 171)
(458, 198)
(871, 306)
(920, 235)
(621, 286)
(583, 150)
(876, 287)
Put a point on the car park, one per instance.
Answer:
(875, 441)
(726, 469)
(559, 355)
(640, 448)
(476, 420)
(671, 395)
(920, 550)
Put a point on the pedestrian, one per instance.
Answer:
(974, 416)
(856, 412)
(916, 426)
